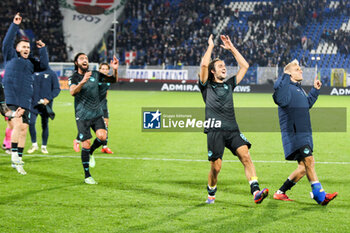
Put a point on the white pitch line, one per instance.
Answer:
(164, 159)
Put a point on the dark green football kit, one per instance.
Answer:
(219, 107)
(87, 103)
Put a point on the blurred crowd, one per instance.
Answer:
(167, 32)
(276, 28)
(42, 20)
(175, 32)
(340, 38)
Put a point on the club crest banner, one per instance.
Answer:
(85, 22)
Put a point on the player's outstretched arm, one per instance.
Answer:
(8, 50)
(110, 78)
(115, 65)
(203, 76)
(43, 63)
(242, 63)
(44, 57)
(313, 94)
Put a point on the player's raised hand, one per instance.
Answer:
(87, 75)
(227, 44)
(114, 63)
(210, 40)
(40, 44)
(317, 84)
(17, 19)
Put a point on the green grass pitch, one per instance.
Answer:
(156, 182)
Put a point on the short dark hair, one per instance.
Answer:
(76, 59)
(104, 64)
(210, 68)
(22, 40)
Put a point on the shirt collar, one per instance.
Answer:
(298, 84)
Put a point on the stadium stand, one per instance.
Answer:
(173, 33)
(268, 33)
(42, 20)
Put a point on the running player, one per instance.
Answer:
(84, 86)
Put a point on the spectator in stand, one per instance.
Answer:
(340, 38)
(166, 32)
(236, 14)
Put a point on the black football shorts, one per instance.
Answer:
(25, 116)
(218, 140)
(84, 126)
(300, 153)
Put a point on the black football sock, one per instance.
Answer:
(104, 143)
(254, 186)
(20, 151)
(14, 146)
(97, 143)
(211, 190)
(85, 156)
(288, 184)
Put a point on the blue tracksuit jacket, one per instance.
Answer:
(293, 111)
(46, 85)
(18, 79)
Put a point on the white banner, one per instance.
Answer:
(85, 22)
(157, 74)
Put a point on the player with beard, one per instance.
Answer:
(217, 93)
(85, 85)
(18, 85)
(103, 68)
